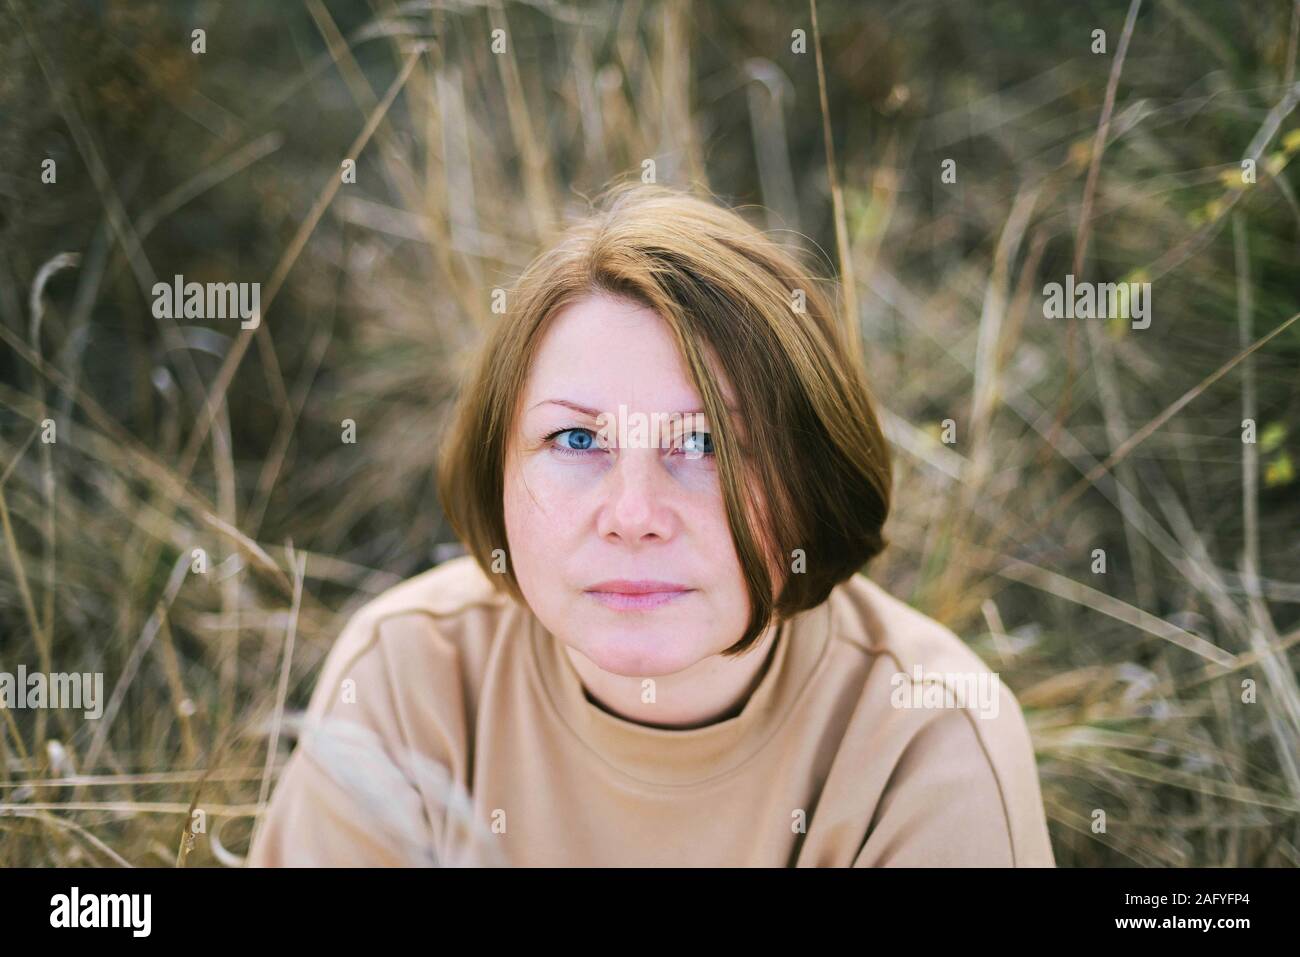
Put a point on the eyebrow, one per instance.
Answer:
(595, 414)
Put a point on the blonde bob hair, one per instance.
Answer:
(804, 467)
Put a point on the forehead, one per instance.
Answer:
(601, 350)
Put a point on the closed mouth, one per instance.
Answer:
(640, 595)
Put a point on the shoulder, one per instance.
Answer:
(447, 589)
(878, 623)
(386, 737)
(956, 731)
(420, 632)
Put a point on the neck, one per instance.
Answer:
(709, 691)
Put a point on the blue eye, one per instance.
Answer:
(695, 444)
(573, 441)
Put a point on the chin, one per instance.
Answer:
(644, 652)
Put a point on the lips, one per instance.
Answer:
(624, 594)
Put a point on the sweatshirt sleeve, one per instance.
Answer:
(353, 793)
(313, 821)
(964, 793)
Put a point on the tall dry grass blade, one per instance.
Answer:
(1283, 703)
(221, 384)
(848, 287)
(533, 160)
(163, 605)
(1144, 433)
(1084, 232)
(299, 565)
(1067, 588)
(985, 386)
(29, 608)
(1115, 421)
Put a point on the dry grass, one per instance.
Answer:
(1071, 436)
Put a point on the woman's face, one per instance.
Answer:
(622, 551)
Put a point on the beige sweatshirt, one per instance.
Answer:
(449, 727)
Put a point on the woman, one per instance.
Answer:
(667, 473)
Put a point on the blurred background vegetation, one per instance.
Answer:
(224, 165)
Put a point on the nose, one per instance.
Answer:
(637, 506)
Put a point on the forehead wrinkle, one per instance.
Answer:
(594, 413)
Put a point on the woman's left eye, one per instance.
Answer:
(696, 444)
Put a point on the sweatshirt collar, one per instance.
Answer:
(678, 757)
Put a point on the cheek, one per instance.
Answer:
(708, 521)
(547, 516)
(543, 498)
(710, 536)
(534, 516)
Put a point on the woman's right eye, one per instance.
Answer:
(574, 441)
